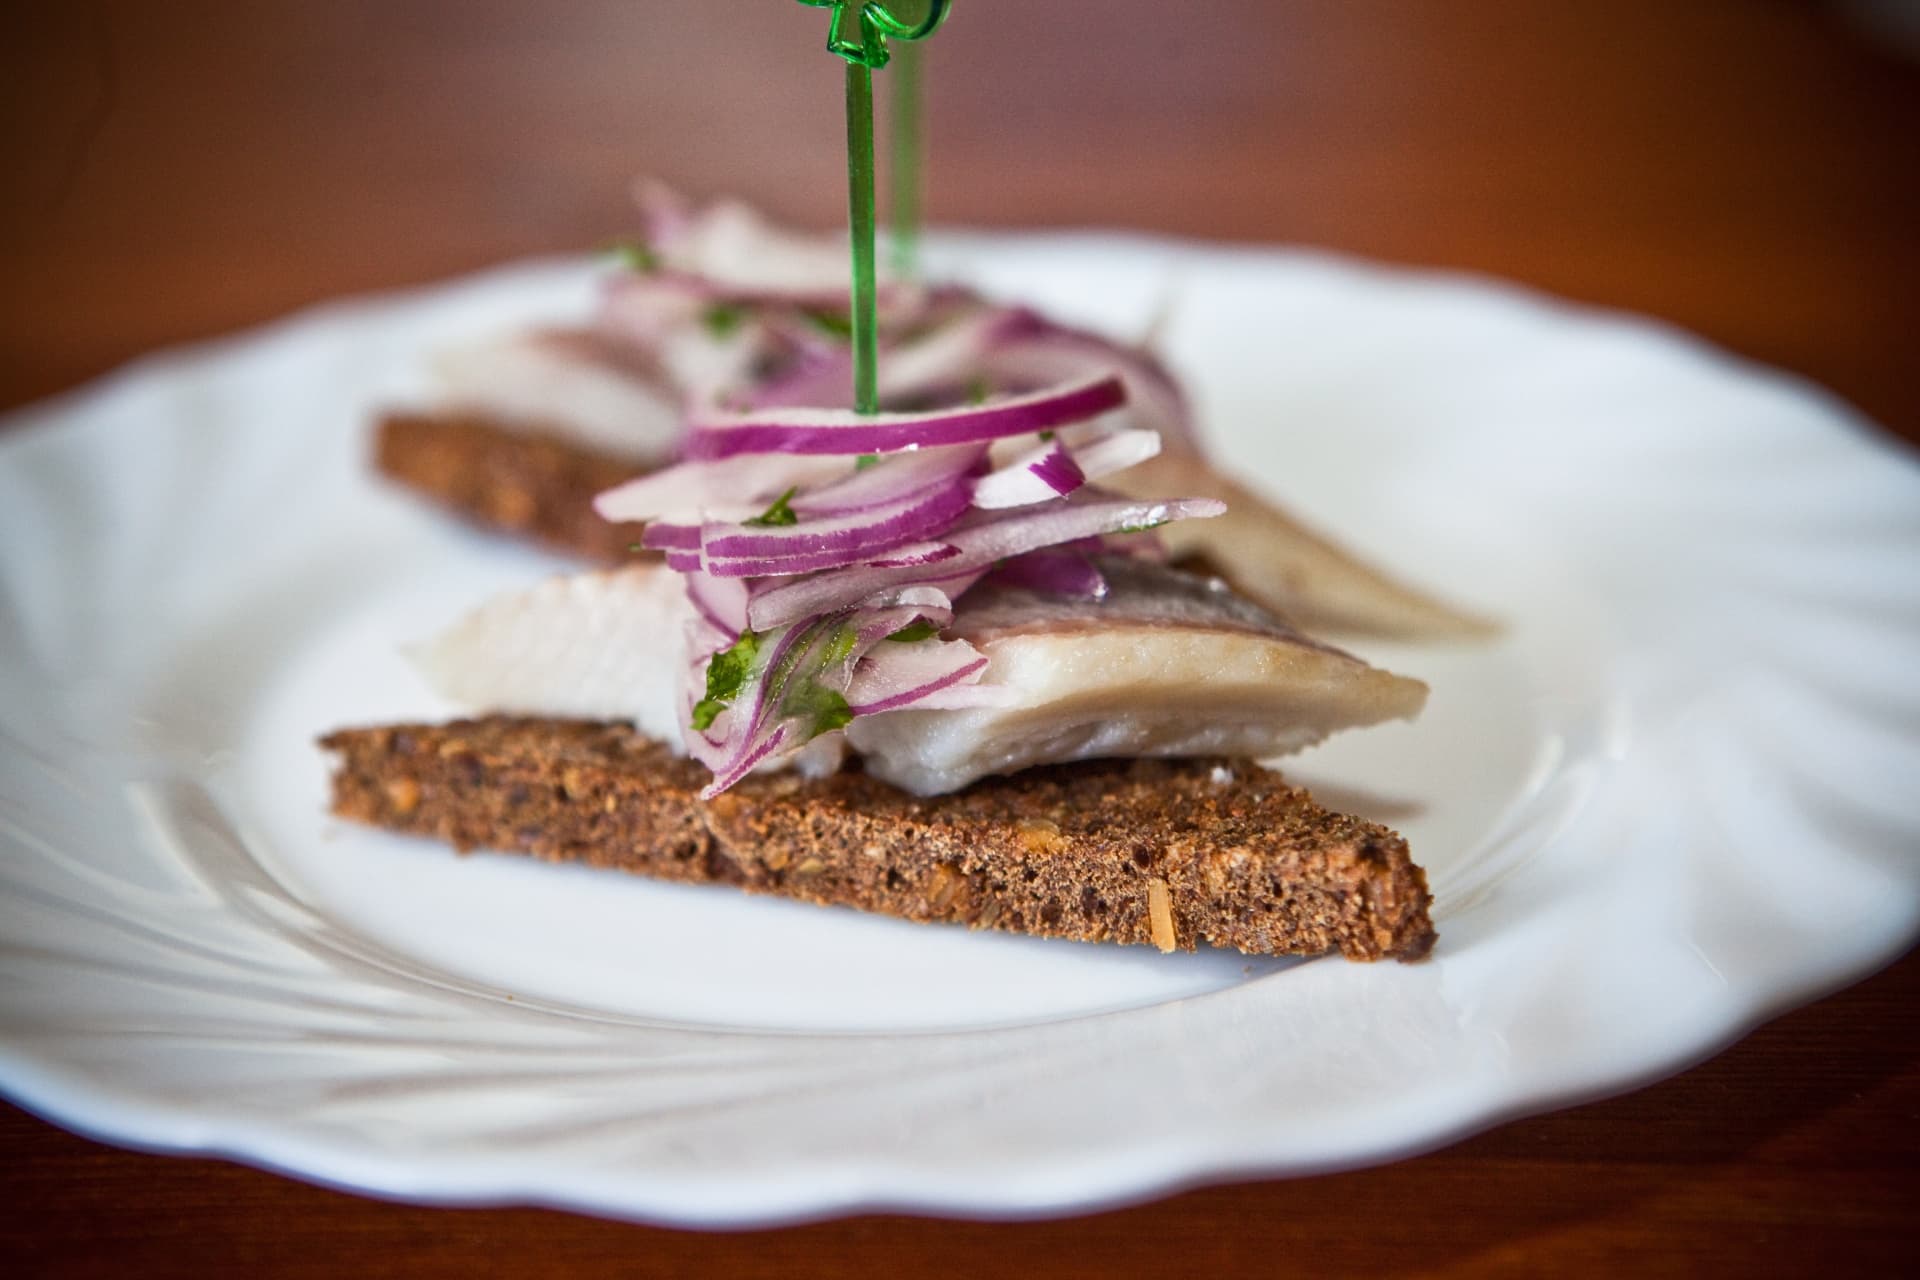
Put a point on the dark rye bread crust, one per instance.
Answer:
(508, 478)
(1170, 852)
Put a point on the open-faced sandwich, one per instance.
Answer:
(948, 662)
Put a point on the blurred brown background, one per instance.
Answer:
(1748, 169)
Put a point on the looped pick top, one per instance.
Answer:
(874, 24)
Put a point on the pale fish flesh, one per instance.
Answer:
(1166, 664)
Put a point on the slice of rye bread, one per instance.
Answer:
(509, 478)
(1168, 852)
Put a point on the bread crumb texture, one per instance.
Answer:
(1158, 852)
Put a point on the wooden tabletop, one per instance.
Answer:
(1746, 169)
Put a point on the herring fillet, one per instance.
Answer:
(577, 384)
(603, 645)
(1167, 665)
(1271, 557)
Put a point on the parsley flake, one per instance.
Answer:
(727, 673)
(838, 324)
(721, 319)
(634, 255)
(1142, 527)
(777, 516)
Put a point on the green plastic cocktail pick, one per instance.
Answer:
(859, 34)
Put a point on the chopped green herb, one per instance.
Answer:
(921, 630)
(823, 709)
(1142, 527)
(837, 323)
(1046, 437)
(634, 255)
(840, 647)
(978, 391)
(727, 673)
(865, 460)
(779, 515)
(721, 319)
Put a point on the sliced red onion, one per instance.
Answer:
(982, 542)
(856, 535)
(944, 358)
(665, 214)
(827, 431)
(1054, 572)
(644, 309)
(1029, 350)
(720, 602)
(1115, 451)
(1035, 476)
(928, 602)
(731, 245)
(894, 676)
(815, 379)
(1145, 545)
(737, 739)
(741, 763)
(963, 694)
(661, 536)
(1058, 471)
(947, 586)
(694, 492)
(914, 554)
(810, 662)
(888, 480)
(896, 533)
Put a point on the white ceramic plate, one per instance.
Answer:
(1676, 798)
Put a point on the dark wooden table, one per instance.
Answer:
(1747, 169)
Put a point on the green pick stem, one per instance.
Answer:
(905, 213)
(866, 397)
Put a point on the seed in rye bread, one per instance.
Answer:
(950, 886)
(1160, 914)
(404, 795)
(1039, 835)
(513, 507)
